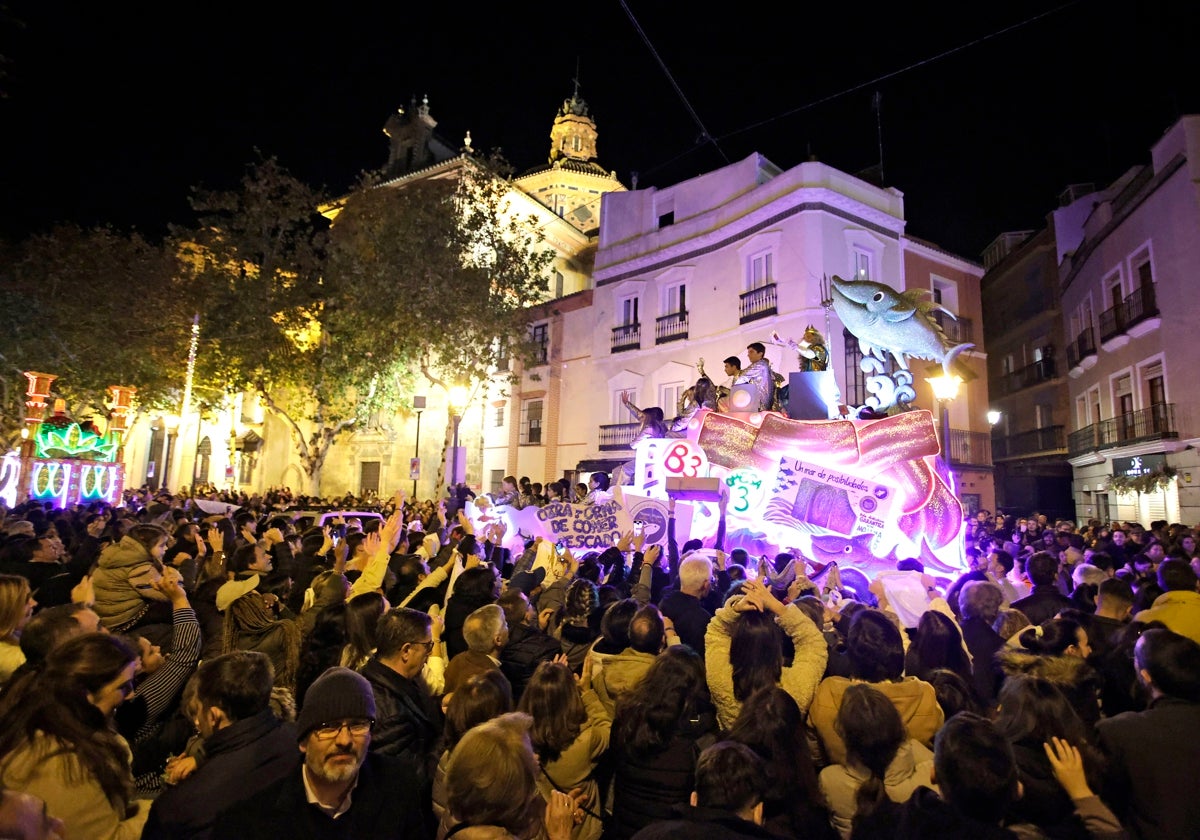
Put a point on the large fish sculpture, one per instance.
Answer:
(886, 321)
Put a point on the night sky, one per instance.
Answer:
(111, 112)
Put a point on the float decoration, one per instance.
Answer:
(62, 461)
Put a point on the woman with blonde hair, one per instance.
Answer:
(492, 787)
(16, 608)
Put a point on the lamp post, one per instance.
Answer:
(419, 405)
(945, 389)
(458, 399)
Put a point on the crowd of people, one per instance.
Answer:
(169, 672)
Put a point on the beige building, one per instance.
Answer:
(1127, 261)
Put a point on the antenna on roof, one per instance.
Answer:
(877, 107)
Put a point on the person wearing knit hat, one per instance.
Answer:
(341, 789)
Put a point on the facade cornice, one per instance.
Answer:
(819, 199)
(935, 252)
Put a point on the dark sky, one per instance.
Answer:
(113, 111)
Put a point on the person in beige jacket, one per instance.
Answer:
(876, 656)
(882, 761)
(745, 629)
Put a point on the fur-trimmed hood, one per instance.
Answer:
(1074, 677)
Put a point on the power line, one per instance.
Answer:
(705, 137)
(889, 75)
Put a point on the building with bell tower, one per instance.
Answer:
(571, 184)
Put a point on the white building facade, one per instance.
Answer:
(1128, 257)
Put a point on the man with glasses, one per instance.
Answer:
(409, 722)
(342, 788)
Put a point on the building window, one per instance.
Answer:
(559, 284)
(628, 311)
(760, 271)
(666, 219)
(862, 264)
(540, 336)
(1145, 274)
(675, 299)
(368, 477)
(531, 423)
(576, 143)
(856, 380)
(203, 456)
(497, 478)
(669, 398)
(498, 416)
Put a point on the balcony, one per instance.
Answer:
(1153, 423)
(757, 303)
(1133, 317)
(1081, 353)
(959, 331)
(617, 436)
(969, 448)
(1044, 441)
(626, 337)
(1040, 371)
(673, 327)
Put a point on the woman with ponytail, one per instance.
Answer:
(1057, 650)
(882, 762)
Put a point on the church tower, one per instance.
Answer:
(572, 183)
(413, 145)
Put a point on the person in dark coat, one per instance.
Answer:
(979, 603)
(683, 605)
(246, 748)
(1044, 600)
(1151, 752)
(727, 802)
(342, 789)
(409, 719)
(658, 731)
(527, 646)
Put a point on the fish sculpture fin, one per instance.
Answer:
(951, 355)
(899, 313)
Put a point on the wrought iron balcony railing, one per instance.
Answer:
(626, 337)
(1036, 441)
(673, 327)
(1083, 346)
(1155, 422)
(1040, 371)
(617, 436)
(757, 303)
(959, 331)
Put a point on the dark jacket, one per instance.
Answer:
(925, 815)
(408, 722)
(1043, 603)
(689, 617)
(1152, 757)
(982, 643)
(525, 650)
(385, 805)
(707, 823)
(241, 760)
(647, 786)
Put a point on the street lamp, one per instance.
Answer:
(993, 417)
(419, 405)
(945, 389)
(458, 401)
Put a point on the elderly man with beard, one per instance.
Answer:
(342, 790)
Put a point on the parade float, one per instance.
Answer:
(863, 486)
(62, 461)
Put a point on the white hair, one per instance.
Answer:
(694, 570)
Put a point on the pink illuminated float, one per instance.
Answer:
(863, 493)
